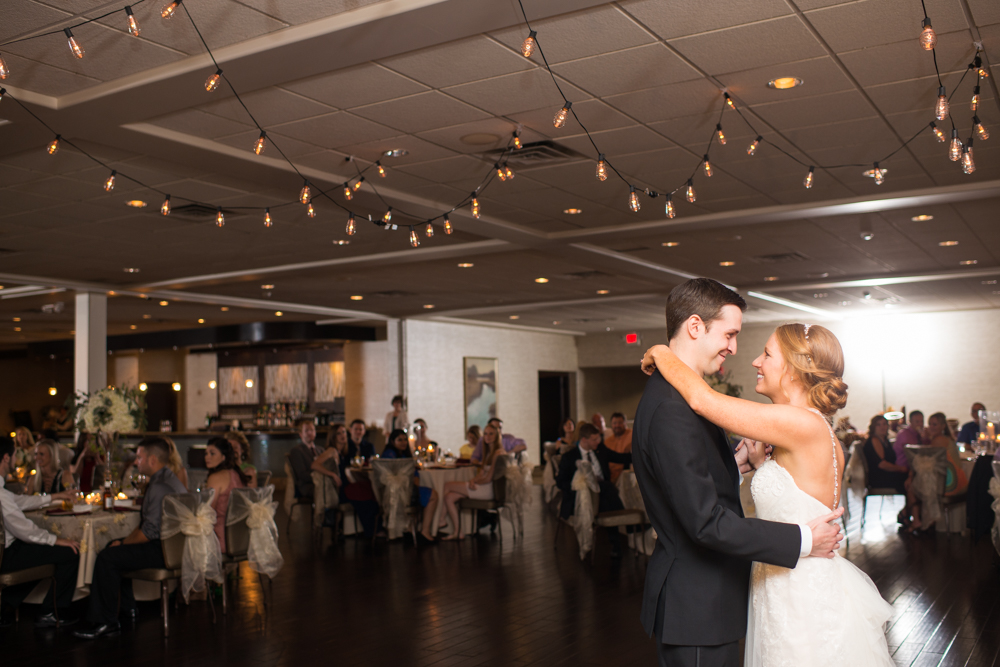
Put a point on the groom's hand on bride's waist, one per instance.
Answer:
(826, 535)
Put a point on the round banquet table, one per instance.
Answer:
(93, 531)
(435, 478)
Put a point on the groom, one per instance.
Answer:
(697, 581)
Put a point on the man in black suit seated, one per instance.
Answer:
(301, 457)
(592, 449)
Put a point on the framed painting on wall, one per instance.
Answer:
(480, 390)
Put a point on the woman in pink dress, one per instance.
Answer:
(224, 475)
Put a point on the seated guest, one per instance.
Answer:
(24, 453)
(301, 457)
(884, 470)
(328, 463)
(242, 448)
(224, 475)
(359, 444)
(423, 441)
(913, 434)
(567, 440)
(140, 550)
(398, 447)
(175, 464)
(50, 475)
(511, 444)
(396, 418)
(590, 449)
(481, 487)
(26, 545)
(598, 421)
(471, 440)
(970, 430)
(86, 462)
(619, 441)
(955, 483)
(354, 490)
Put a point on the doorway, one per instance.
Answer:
(554, 399)
(161, 405)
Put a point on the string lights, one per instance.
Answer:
(708, 166)
(942, 107)
(752, 148)
(305, 194)
(267, 217)
(165, 209)
(53, 146)
(968, 166)
(212, 82)
(808, 181)
(168, 10)
(980, 129)
(938, 134)
(633, 200)
(4, 71)
(974, 104)
(602, 168)
(220, 219)
(258, 146)
(310, 211)
(955, 147)
(351, 228)
(719, 134)
(447, 224)
(109, 184)
(133, 25)
(475, 206)
(516, 137)
(669, 208)
(560, 118)
(414, 239)
(689, 193)
(429, 230)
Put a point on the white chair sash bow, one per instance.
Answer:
(928, 483)
(585, 484)
(995, 506)
(396, 498)
(854, 473)
(256, 507)
(325, 496)
(202, 559)
(519, 483)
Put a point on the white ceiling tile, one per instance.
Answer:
(355, 86)
(666, 102)
(451, 137)
(634, 139)
(28, 17)
(201, 124)
(271, 106)
(595, 115)
(42, 78)
(859, 25)
(677, 20)
(458, 62)
(421, 112)
(621, 71)
(335, 130)
(295, 13)
(514, 93)
(810, 111)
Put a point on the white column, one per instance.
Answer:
(90, 357)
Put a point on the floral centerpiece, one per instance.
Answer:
(104, 414)
(722, 382)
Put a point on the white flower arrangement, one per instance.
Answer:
(111, 410)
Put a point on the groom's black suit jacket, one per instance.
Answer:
(698, 577)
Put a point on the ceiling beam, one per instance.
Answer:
(896, 279)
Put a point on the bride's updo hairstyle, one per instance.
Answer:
(815, 357)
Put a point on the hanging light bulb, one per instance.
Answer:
(517, 139)
(560, 119)
(348, 193)
(414, 239)
(73, 46)
(808, 182)
(938, 134)
(109, 184)
(708, 166)
(165, 209)
(53, 145)
(974, 104)
(475, 208)
(980, 129)
(719, 134)
(387, 218)
(212, 82)
(168, 10)
(381, 169)
(500, 172)
(4, 70)
(310, 211)
(928, 40)
(879, 175)
(447, 224)
(357, 184)
(633, 200)
(220, 219)
(258, 146)
(752, 148)
(267, 217)
(978, 65)
(510, 172)
(3, 91)
(429, 230)
(968, 165)
(528, 45)
(305, 194)
(941, 108)
(729, 101)
(602, 168)
(133, 25)
(955, 148)
(351, 227)
(690, 194)
(670, 210)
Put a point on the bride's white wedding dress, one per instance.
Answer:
(824, 612)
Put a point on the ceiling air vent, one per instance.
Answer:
(780, 258)
(536, 154)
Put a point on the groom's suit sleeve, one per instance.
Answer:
(680, 464)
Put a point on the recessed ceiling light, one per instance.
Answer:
(396, 152)
(989, 282)
(147, 317)
(818, 275)
(785, 82)
(541, 280)
(870, 173)
(820, 295)
(466, 265)
(111, 293)
(920, 218)
(573, 211)
(967, 262)
(670, 244)
(556, 322)
(357, 297)
(131, 326)
(17, 319)
(428, 306)
(341, 242)
(843, 303)
(603, 291)
(727, 263)
(164, 303)
(515, 317)
(946, 244)
(131, 270)
(479, 139)
(770, 279)
(278, 313)
(17, 328)
(136, 203)
(1, 286)
(225, 308)
(267, 286)
(201, 320)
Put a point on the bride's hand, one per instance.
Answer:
(648, 362)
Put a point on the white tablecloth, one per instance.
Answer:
(436, 478)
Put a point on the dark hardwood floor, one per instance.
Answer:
(480, 603)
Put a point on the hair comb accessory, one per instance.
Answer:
(806, 327)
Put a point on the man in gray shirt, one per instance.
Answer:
(140, 550)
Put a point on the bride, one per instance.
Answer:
(824, 611)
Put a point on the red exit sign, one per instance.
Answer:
(632, 338)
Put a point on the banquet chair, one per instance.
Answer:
(383, 467)
(173, 554)
(292, 497)
(263, 478)
(856, 450)
(616, 519)
(238, 547)
(197, 478)
(27, 575)
(496, 504)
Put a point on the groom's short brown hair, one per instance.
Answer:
(703, 297)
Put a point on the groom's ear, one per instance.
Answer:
(694, 326)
